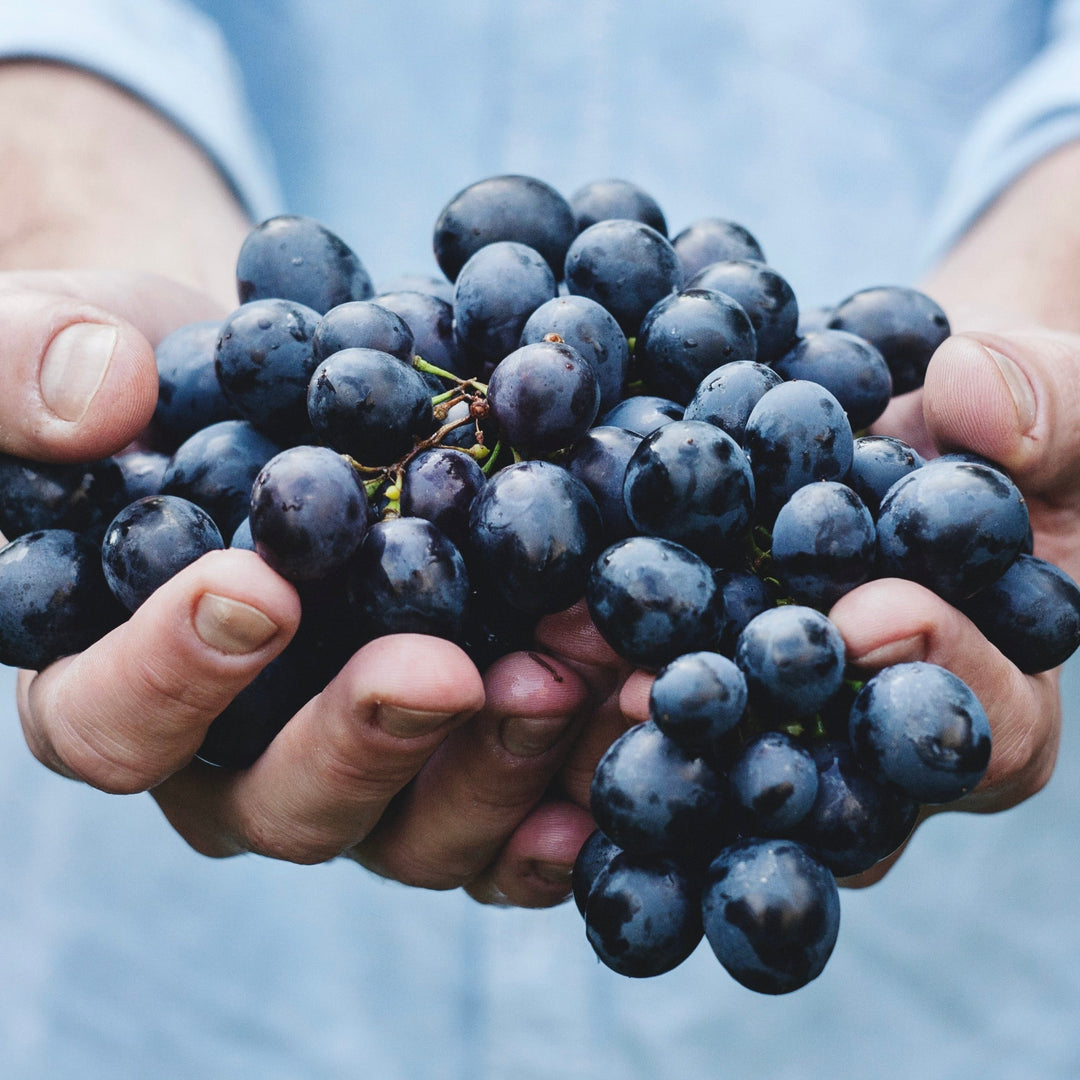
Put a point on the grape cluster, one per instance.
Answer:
(584, 407)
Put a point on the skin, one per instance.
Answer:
(409, 762)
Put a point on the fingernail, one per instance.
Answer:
(1019, 387)
(555, 873)
(894, 652)
(530, 736)
(231, 626)
(74, 366)
(405, 723)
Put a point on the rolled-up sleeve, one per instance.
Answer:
(1034, 114)
(165, 52)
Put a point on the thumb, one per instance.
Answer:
(1014, 398)
(78, 379)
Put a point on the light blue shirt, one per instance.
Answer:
(852, 138)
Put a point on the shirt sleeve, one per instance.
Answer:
(166, 53)
(1034, 114)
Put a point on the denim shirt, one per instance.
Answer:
(855, 139)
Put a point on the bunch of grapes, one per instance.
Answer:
(583, 407)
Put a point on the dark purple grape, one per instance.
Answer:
(604, 199)
(534, 533)
(856, 821)
(362, 324)
(643, 918)
(143, 471)
(797, 433)
(653, 600)
(431, 320)
(653, 799)
(190, 396)
(822, 543)
(369, 405)
(431, 284)
(877, 462)
(771, 913)
(47, 495)
(766, 297)
(686, 335)
(642, 414)
(543, 396)
(952, 526)
(308, 513)
(712, 240)
(264, 362)
(517, 208)
(905, 325)
(696, 700)
(920, 727)
(494, 295)
(691, 482)
(151, 541)
(440, 485)
(216, 467)
(773, 783)
(297, 258)
(849, 367)
(408, 578)
(56, 600)
(241, 537)
(598, 459)
(793, 660)
(727, 396)
(624, 265)
(592, 330)
(595, 855)
(742, 594)
(1031, 613)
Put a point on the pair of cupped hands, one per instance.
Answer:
(410, 762)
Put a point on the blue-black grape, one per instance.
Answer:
(534, 533)
(773, 784)
(595, 854)
(362, 324)
(599, 459)
(691, 482)
(877, 462)
(653, 600)
(440, 484)
(290, 257)
(152, 540)
(600, 200)
(686, 335)
(920, 727)
(642, 413)
(431, 320)
(710, 240)
(308, 512)
(771, 913)
(55, 598)
(643, 917)
(726, 397)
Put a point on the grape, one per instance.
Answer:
(56, 600)
(905, 326)
(604, 199)
(877, 462)
(440, 485)
(362, 324)
(765, 296)
(712, 240)
(535, 530)
(642, 414)
(919, 727)
(150, 541)
(308, 512)
(599, 459)
(591, 330)
(696, 700)
(296, 258)
(771, 913)
(543, 396)
(143, 472)
(517, 208)
(652, 600)
(624, 265)
(726, 397)
(686, 335)
(774, 783)
(741, 595)
(431, 320)
(593, 857)
(369, 405)
(690, 482)
(643, 918)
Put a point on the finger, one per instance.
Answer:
(903, 418)
(483, 780)
(891, 621)
(328, 776)
(78, 379)
(135, 706)
(534, 868)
